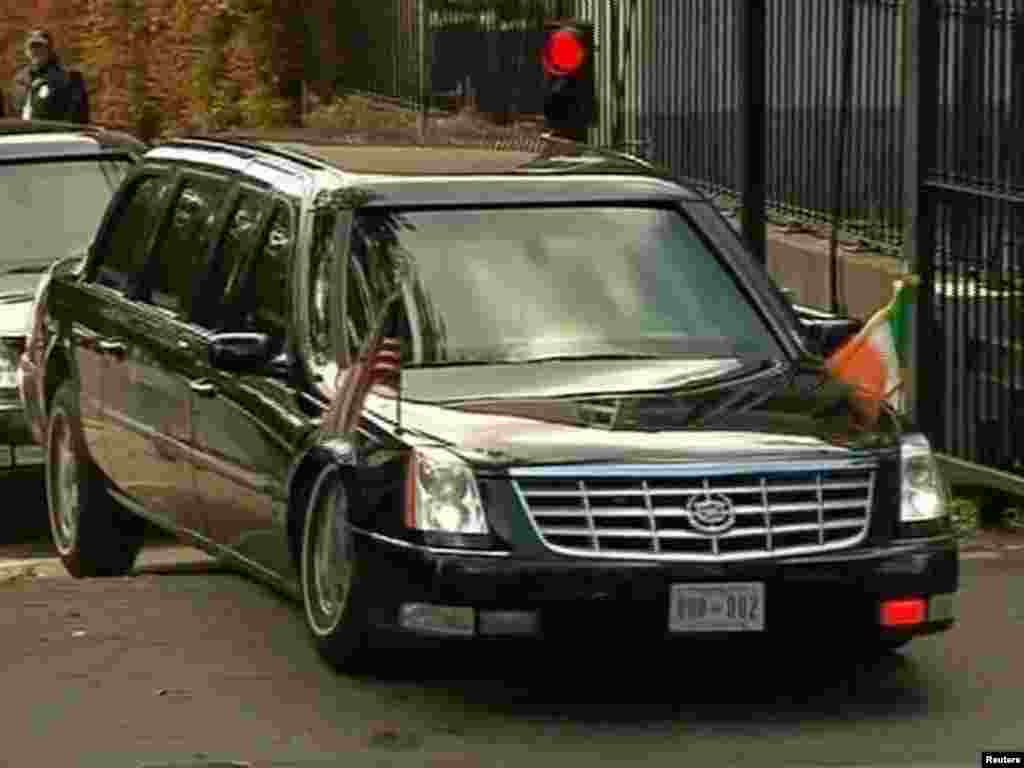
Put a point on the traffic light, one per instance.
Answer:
(570, 99)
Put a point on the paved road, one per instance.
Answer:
(185, 664)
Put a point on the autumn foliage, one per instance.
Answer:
(156, 67)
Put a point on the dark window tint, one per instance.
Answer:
(264, 307)
(233, 252)
(125, 249)
(182, 252)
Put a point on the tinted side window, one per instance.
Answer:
(126, 245)
(233, 252)
(265, 299)
(182, 252)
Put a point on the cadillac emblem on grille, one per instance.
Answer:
(710, 513)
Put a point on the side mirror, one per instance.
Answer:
(242, 352)
(826, 332)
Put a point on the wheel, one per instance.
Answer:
(331, 592)
(94, 536)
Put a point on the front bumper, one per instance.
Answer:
(833, 592)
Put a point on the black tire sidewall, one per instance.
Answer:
(344, 646)
(63, 407)
(107, 539)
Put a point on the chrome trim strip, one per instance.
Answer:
(766, 510)
(834, 486)
(699, 469)
(638, 474)
(653, 522)
(428, 550)
(590, 517)
(821, 510)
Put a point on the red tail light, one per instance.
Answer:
(563, 53)
(904, 613)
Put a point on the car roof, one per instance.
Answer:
(539, 169)
(45, 140)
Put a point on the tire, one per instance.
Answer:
(332, 591)
(94, 536)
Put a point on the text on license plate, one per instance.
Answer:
(720, 607)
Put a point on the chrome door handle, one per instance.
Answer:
(115, 348)
(203, 388)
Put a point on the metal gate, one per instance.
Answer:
(971, 230)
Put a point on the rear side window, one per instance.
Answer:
(234, 251)
(265, 300)
(182, 252)
(127, 244)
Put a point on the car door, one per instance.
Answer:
(246, 423)
(146, 387)
(118, 258)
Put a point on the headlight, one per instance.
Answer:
(8, 370)
(443, 495)
(924, 495)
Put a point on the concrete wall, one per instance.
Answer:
(800, 263)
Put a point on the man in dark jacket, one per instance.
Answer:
(42, 90)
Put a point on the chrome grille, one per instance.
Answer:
(627, 512)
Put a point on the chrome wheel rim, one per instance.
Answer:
(327, 567)
(65, 504)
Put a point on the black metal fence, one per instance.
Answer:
(668, 83)
(972, 236)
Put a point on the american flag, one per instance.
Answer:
(381, 366)
(386, 363)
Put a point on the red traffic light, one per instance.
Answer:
(564, 52)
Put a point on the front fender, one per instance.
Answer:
(317, 454)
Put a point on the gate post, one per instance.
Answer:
(753, 42)
(423, 84)
(910, 103)
(921, 97)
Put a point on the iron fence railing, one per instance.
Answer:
(972, 236)
(669, 84)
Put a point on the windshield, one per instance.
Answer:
(521, 284)
(51, 208)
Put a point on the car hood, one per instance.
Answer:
(16, 293)
(637, 412)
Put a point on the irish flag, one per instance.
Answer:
(875, 360)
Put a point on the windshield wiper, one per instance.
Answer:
(456, 363)
(597, 356)
(533, 360)
(24, 269)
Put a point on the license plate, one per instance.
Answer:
(726, 607)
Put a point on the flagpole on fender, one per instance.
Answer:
(398, 404)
